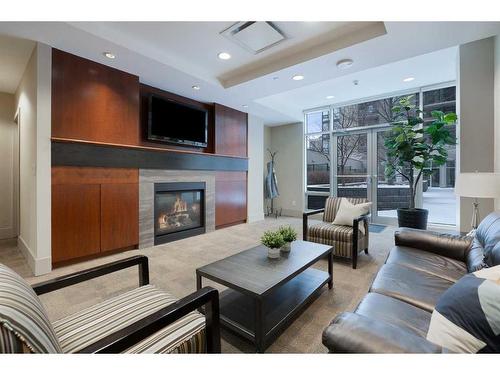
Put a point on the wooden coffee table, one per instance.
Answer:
(265, 295)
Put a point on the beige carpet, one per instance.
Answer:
(173, 265)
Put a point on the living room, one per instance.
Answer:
(206, 186)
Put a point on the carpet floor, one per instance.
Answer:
(173, 265)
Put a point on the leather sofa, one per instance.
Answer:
(394, 316)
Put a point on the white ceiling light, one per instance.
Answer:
(195, 87)
(409, 79)
(224, 56)
(344, 63)
(330, 97)
(109, 55)
(245, 106)
(298, 77)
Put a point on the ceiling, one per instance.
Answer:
(175, 56)
(14, 55)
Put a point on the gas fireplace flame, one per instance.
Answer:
(179, 205)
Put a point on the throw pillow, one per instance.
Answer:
(347, 212)
(466, 318)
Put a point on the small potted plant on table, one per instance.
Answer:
(273, 241)
(289, 235)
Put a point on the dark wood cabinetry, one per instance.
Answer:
(230, 131)
(94, 210)
(230, 198)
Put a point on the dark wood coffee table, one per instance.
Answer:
(266, 295)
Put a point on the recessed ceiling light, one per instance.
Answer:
(409, 79)
(344, 63)
(355, 82)
(224, 56)
(275, 78)
(195, 87)
(298, 77)
(330, 97)
(245, 106)
(109, 55)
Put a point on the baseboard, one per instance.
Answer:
(38, 266)
(252, 218)
(7, 232)
(292, 213)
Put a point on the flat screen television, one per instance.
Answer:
(173, 122)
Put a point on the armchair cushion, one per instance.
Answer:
(332, 205)
(24, 324)
(339, 236)
(348, 211)
(83, 328)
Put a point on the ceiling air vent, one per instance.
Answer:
(255, 37)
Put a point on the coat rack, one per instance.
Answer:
(271, 186)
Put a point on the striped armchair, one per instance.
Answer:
(143, 320)
(347, 241)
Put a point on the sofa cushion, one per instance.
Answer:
(393, 311)
(86, 327)
(24, 324)
(409, 285)
(434, 264)
(488, 235)
(467, 316)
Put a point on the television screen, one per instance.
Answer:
(173, 122)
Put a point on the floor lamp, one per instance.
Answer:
(477, 185)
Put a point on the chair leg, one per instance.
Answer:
(354, 262)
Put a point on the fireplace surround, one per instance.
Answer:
(148, 178)
(179, 210)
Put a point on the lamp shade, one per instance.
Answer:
(478, 185)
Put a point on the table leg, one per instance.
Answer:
(198, 287)
(259, 339)
(330, 269)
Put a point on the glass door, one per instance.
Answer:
(360, 158)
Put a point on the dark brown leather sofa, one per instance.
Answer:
(394, 316)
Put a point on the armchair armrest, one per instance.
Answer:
(353, 333)
(358, 220)
(92, 273)
(305, 217)
(449, 245)
(120, 340)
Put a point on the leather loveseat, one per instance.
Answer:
(394, 316)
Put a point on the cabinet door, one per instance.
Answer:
(119, 216)
(76, 216)
(230, 198)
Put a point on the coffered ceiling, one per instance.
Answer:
(176, 56)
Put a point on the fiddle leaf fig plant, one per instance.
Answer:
(411, 146)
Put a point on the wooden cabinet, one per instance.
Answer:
(119, 216)
(76, 221)
(94, 210)
(230, 198)
(230, 131)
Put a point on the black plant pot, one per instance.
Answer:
(413, 217)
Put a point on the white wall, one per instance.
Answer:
(255, 189)
(288, 141)
(476, 117)
(8, 136)
(33, 104)
(497, 109)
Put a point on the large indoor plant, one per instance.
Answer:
(411, 146)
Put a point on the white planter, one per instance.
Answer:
(273, 253)
(286, 247)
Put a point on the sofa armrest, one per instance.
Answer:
(448, 245)
(353, 333)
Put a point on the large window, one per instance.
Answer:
(346, 156)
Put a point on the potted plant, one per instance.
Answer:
(410, 147)
(273, 241)
(289, 234)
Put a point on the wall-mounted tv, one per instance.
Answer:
(173, 122)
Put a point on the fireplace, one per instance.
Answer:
(179, 210)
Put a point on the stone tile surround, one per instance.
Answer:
(147, 179)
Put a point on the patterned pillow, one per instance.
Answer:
(24, 325)
(466, 318)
